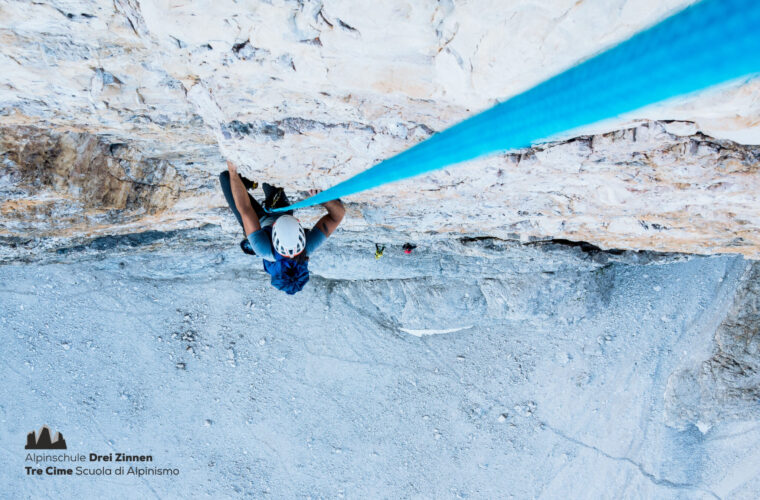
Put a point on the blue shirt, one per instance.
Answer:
(262, 243)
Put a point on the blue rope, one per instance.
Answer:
(708, 43)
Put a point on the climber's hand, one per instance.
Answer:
(327, 204)
(232, 167)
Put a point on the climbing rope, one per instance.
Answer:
(708, 43)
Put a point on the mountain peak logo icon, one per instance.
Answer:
(42, 441)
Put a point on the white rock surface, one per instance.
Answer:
(307, 93)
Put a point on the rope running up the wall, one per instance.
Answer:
(707, 43)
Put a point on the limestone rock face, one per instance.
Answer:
(116, 117)
(78, 183)
(727, 385)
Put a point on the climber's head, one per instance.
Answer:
(288, 236)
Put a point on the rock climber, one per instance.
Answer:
(278, 238)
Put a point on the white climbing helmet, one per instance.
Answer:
(288, 236)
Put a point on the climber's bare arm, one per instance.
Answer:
(335, 213)
(251, 222)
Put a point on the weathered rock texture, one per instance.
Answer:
(549, 383)
(727, 385)
(116, 117)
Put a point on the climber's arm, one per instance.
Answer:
(335, 214)
(251, 222)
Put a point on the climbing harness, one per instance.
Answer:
(268, 204)
(708, 43)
